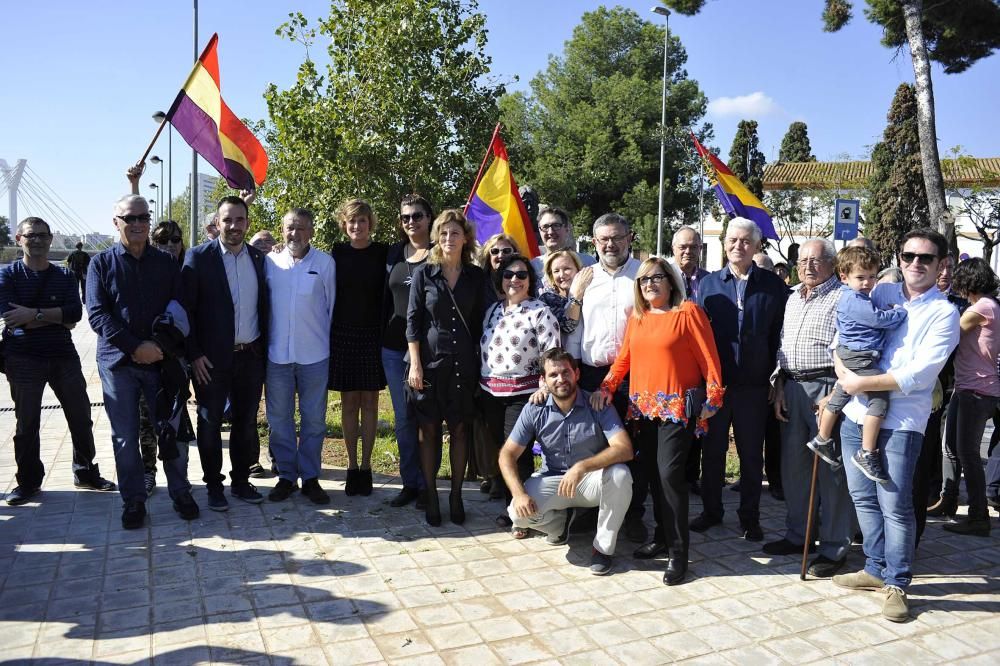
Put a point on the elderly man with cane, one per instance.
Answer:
(805, 377)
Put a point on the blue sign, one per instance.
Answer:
(845, 226)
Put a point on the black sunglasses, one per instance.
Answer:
(135, 219)
(510, 275)
(39, 236)
(416, 217)
(501, 250)
(921, 257)
(172, 239)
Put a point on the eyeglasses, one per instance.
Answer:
(689, 248)
(135, 219)
(510, 275)
(172, 239)
(416, 217)
(494, 251)
(552, 227)
(610, 239)
(925, 259)
(810, 261)
(39, 236)
(652, 279)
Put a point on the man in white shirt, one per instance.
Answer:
(302, 285)
(913, 355)
(557, 234)
(607, 305)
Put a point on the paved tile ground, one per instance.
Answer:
(359, 582)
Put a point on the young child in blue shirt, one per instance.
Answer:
(861, 328)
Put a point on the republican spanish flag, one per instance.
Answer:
(495, 205)
(733, 195)
(212, 130)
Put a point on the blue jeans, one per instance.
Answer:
(298, 458)
(885, 512)
(122, 385)
(406, 422)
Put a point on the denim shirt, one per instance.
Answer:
(125, 295)
(862, 326)
(566, 438)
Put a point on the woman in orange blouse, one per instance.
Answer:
(670, 356)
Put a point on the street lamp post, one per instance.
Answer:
(156, 212)
(158, 117)
(156, 160)
(665, 13)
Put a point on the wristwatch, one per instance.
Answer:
(38, 315)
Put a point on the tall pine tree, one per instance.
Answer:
(795, 146)
(898, 200)
(745, 159)
(789, 209)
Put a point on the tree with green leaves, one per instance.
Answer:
(897, 202)
(954, 33)
(6, 238)
(745, 159)
(588, 136)
(404, 104)
(791, 210)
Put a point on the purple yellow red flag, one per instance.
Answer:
(200, 115)
(495, 206)
(734, 195)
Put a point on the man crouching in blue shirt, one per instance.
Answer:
(583, 450)
(128, 286)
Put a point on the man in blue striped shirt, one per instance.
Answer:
(39, 305)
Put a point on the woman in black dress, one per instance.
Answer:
(404, 258)
(443, 325)
(355, 340)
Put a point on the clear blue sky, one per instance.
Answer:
(83, 78)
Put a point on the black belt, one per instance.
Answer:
(244, 346)
(810, 375)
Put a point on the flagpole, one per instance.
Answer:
(479, 176)
(159, 130)
(194, 154)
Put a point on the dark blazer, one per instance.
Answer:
(210, 305)
(748, 355)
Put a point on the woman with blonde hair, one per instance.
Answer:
(355, 340)
(562, 292)
(444, 322)
(675, 385)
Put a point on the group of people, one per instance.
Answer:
(629, 375)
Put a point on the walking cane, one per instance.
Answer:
(809, 518)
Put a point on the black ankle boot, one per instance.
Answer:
(433, 511)
(457, 508)
(351, 484)
(365, 482)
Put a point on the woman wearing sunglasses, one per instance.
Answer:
(168, 237)
(493, 251)
(404, 258)
(516, 331)
(675, 386)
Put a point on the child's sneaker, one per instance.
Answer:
(825, 449)
(870, 465)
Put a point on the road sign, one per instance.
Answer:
(845, 226)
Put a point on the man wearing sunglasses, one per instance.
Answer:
(39, 305)
(128, 286)
(913, 355)
(556, 234)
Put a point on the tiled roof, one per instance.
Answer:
(853, 175)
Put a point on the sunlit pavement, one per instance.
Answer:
(357, 581)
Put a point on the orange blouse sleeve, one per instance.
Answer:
(623, 362)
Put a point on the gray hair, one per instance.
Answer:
(128, 199)
(743, 224)
(688, 227)
(829, 250)
(304, 213)
(609, 219)
(893, 273)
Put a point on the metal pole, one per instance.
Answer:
(702, 258)
(170, 169)
(663, 137)
(161, 189)
(194, 155)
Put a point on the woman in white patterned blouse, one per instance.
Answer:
(516, 330)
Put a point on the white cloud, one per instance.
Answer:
(754, 105)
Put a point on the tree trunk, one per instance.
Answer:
(926, 126)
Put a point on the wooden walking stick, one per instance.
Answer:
(809, 517)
